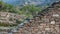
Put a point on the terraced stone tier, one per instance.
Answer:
(10, 19)
(47, 22)
(43, 28)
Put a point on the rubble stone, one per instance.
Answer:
(49, 23)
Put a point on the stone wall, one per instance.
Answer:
(10, 18)
(47, 22)
(39, 27)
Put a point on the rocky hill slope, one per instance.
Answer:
(47, 22)
(8, 19)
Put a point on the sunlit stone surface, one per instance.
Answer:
(52, 22)
(55, 15)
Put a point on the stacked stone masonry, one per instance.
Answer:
(10, 18)
(49, 23)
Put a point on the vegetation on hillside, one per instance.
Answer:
(28, 10)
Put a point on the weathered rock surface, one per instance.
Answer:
(47, 22)
(10, 18)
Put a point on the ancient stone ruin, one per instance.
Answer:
(10, 18)
(46, 22)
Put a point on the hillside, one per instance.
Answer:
(46, 22)
(26, 12)
(9, 16)
(30, 19)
